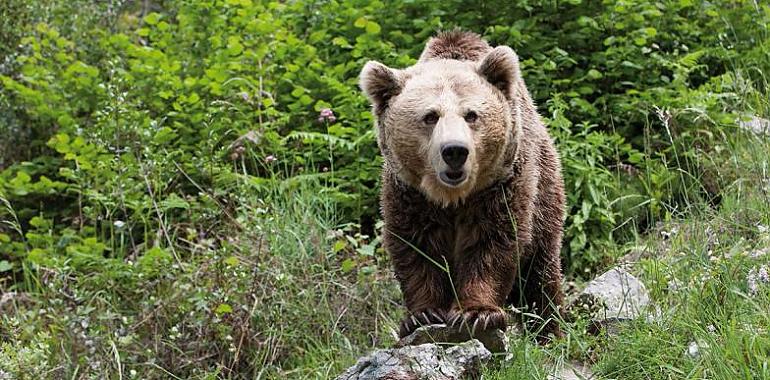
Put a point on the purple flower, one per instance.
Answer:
(327, 115)
(245, 96)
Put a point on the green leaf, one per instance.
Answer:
(339, 245)
(305, 99)
(154, 258)
(348, 265)
(234, 46)
(223, 308)
(341, 42)
(372, 27)
(174, 201)
(361, 22)
(193, 98)
(5, 266)
(366, 250)
(297, 92)
(152, 18)
(37, 256)
(164, 135)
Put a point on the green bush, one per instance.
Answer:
(208, 92)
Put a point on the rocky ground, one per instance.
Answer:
(438, 352)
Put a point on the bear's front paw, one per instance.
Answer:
(419, 318)
(478, 317)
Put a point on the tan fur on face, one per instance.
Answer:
(450, 88)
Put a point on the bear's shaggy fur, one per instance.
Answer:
(464, 251)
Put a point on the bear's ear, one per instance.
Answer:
(380, 83)
(501, 68)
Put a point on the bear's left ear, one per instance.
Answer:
(501, 68)
(380, 83)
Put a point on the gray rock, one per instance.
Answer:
(425, 362)
(572, 371)
(612, 297)
(495, 340)
(755, 124)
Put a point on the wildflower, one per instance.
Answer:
(674, 285)
(751, 281)
(759, 253)
(270, 159)
(763, 275)
(119, 224)
(694, 349)
(326, 115)
(755, 277)
(245, 96)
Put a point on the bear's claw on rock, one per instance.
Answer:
(470, 318)
(424, 317)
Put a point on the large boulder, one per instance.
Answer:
(427, 361)
(615, 296)
(755, 124)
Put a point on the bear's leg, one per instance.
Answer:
(484, 278)
(540, 280)
(425, 286)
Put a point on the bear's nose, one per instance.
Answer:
(454, 154)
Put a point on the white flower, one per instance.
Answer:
(119, 224)
(693, 350)
(751, 281)
(763, 275)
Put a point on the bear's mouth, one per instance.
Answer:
(452, 177)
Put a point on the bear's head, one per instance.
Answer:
(446, 125)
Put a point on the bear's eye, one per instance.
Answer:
(431, 118)
(471, 117)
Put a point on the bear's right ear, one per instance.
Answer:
(501, 68)
(380, 83)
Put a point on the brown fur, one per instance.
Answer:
(499, 234)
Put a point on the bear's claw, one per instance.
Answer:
(419, 318)
(484, 317)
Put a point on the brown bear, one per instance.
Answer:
(472, 192)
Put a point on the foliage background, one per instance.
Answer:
(163, 153)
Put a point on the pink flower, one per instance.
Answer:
(327, 115)
(270, 159)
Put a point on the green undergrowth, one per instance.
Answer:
(276, 292)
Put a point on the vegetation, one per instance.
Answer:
(189, 188)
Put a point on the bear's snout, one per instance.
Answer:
(454, 154)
